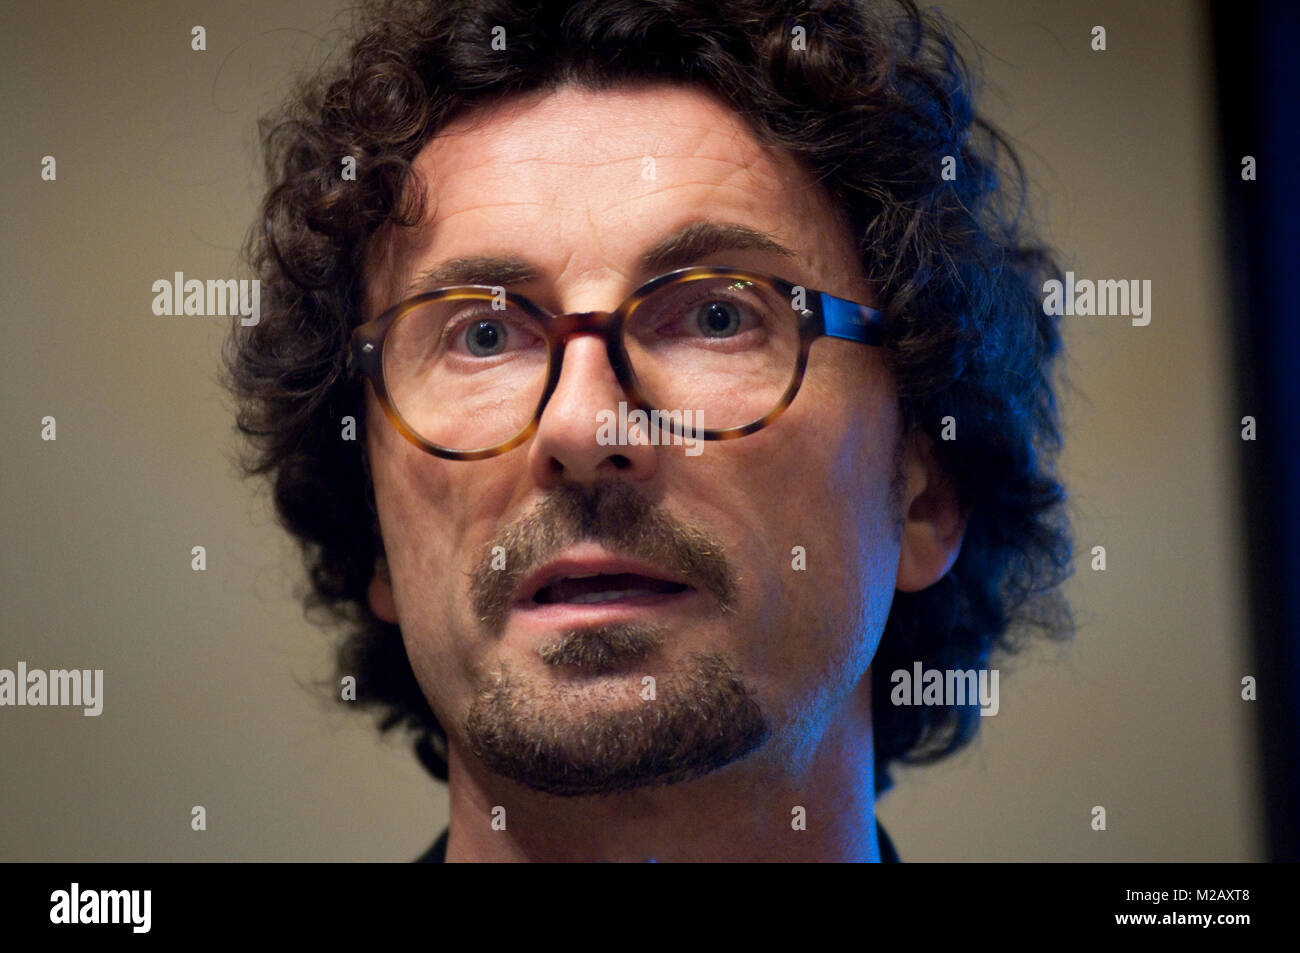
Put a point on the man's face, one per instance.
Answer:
(750, 583)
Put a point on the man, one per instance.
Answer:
(673, 637)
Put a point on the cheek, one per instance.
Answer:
(791, 526)
(435, 516)
(860, 477)
(421, 501)
(828, 484)
(408, 483)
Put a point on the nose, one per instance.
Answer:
(573, 438)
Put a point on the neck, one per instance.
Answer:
(744, 812)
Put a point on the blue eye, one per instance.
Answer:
(718, 319)
(480, 333)
(486, 338)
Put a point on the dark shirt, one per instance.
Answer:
(437, 854)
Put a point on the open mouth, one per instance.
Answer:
(590, 588)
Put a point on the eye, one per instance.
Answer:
(485, 334)
(717, 319)
(715, 313)
(486, 337)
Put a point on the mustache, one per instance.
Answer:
(616, 516)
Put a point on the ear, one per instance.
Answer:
(380, 593)
(933, 523)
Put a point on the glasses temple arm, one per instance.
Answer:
(851, 321)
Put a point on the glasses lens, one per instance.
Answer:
(724, 348)
(466, 373)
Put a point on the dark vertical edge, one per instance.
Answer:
(1257, 52)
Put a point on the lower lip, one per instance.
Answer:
(562, 615)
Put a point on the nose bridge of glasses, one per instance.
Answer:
(566, 326)
(598, 324)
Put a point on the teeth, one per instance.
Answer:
(607, 595)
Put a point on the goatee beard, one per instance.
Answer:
(619, 736)
(606, 725)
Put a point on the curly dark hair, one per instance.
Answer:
(875, 106)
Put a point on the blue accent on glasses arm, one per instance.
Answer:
(850, 320)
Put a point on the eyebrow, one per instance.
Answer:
(699, 239)
(679, 250)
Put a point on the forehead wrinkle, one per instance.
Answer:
(441, 219)
(521, 146)
(748, 166)
(665, 190)
(406, 253)
(530, 138)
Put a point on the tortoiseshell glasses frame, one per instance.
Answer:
(822, 315)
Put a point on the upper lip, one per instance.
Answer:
(563, 566)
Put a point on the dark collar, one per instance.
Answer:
(437, 854)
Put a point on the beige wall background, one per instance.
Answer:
(207, 675)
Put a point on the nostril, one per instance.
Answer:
(620, 461)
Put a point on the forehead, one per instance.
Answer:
(582, 182)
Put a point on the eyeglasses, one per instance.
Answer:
(464, 372)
